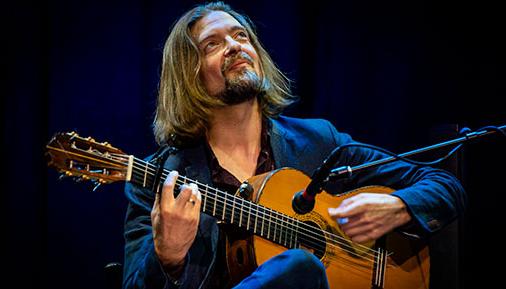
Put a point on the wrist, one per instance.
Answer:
(174, 268)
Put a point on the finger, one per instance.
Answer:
(169, 184)
(184, 196)
(156, 203)
(347, 211)
(350, 222)
(156, 208)
(196, 197)
(360, 230)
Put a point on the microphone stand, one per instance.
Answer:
(347, 171)
(303, 202)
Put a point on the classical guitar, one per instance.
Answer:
(265, 223)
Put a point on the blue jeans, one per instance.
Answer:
(294, 268)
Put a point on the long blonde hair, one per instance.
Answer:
(184, 106)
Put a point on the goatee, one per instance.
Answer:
(240, 88)
(242, 85)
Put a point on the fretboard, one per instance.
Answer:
(262, 221)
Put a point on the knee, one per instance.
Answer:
(304, 260)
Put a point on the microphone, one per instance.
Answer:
(303, 202)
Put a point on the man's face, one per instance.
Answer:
(230, 62)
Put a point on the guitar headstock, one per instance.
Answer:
(86, 159)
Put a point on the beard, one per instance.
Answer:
(243, 85)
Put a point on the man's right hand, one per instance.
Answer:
(175, 221)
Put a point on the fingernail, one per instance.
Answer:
(195, 190)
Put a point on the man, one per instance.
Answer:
(219, 104)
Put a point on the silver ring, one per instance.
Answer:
(342, 221)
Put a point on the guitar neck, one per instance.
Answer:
(259, 220)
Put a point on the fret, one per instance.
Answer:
(263, 222)
(224, 206)
(291, 233)
(215, 201)
(145, 175)
(285, 229)
(249, 215)
(281, 229)
(233, 209)
(274, 223)
(274, 219)
(205, 197)
(240, 212)
(296, 234)
(269, 225)
(256, 219)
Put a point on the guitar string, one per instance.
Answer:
(331, 236)
(146, 166)
(313, 240)
(223, 199)
(121, 159)
(125, 162)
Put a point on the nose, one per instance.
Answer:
(233, 46)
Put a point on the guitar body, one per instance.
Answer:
(348, 265)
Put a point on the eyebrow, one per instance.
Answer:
(232, 29)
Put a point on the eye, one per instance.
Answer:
(210, 46)
(241, 35)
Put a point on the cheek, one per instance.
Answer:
(211, 76)
(252, 53)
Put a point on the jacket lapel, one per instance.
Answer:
(286, 147)
(195, 164)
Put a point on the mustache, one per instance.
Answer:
(231, 60)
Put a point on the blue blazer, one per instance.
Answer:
(434, 197)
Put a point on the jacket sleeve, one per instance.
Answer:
(434, 197)
(142, 268)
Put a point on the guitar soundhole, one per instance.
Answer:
(312, 238)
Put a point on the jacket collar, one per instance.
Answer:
(286, 146)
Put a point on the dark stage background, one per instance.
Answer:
(398, 74)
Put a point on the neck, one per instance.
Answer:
(236, 126)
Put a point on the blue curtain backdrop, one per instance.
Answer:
(390, 73)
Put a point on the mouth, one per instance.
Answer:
(238, 64)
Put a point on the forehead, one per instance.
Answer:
(214, 22)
